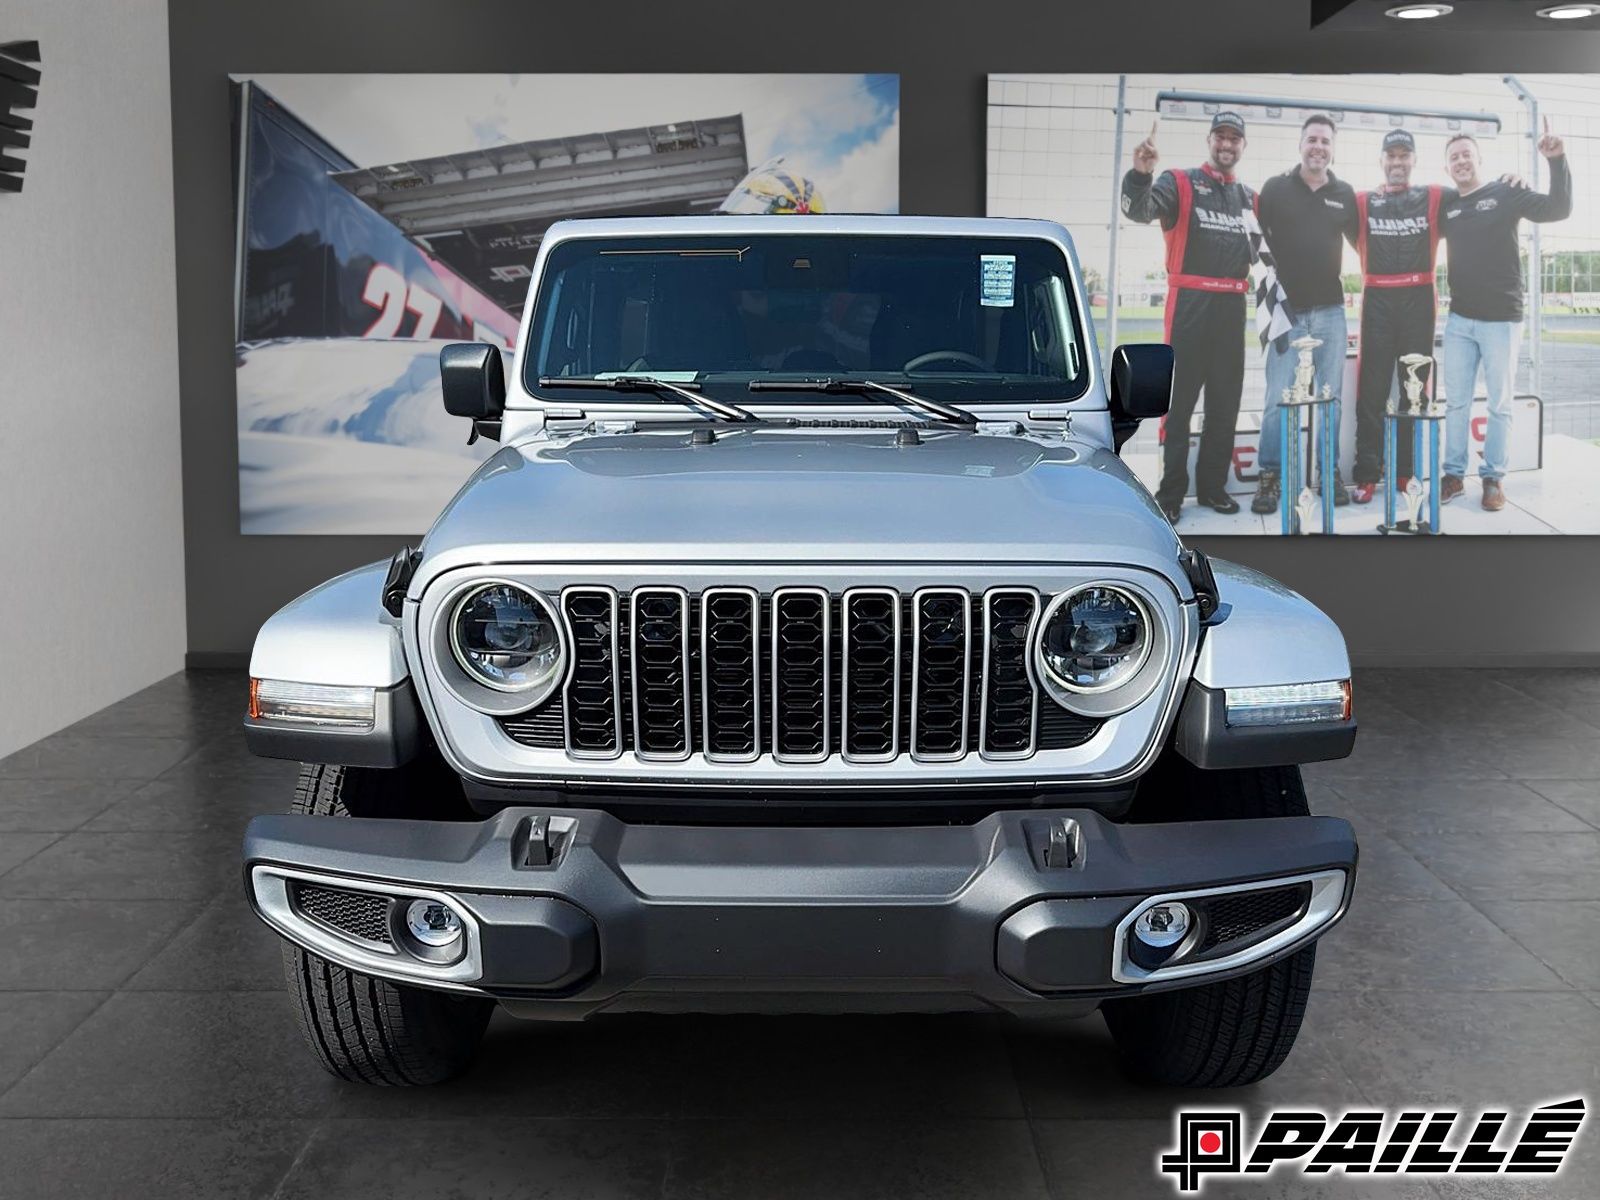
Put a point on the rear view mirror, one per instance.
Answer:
(1141, 386)
(473, 379)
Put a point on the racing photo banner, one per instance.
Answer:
(380, 217)
(1383, 292)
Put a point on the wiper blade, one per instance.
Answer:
(649, 383)
(866, 387)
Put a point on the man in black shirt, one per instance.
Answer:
(1306, 213)
(1479, 221)
(1204, 213)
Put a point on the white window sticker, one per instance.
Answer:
(998, 273)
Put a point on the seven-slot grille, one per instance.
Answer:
(800, 675)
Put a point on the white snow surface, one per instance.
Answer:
(347, 435)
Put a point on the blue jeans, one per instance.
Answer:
(1467, 343)
(1327, 323)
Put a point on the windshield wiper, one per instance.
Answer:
(865, 387)
(649, 383)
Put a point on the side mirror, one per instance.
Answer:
(473, 379)
(1141, 386)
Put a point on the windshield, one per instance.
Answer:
(962, 319)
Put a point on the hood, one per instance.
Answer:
(776, 495)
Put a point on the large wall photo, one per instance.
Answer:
(1383, 291)
(381, 216)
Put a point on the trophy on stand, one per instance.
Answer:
(1298, 504)
(1425, 411)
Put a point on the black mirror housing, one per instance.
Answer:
(473, 379)
(1141, 386)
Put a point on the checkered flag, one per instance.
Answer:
(1274, 316)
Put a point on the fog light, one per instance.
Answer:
(1158, 932)
(433, 923)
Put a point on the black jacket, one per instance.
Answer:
(1481, 228)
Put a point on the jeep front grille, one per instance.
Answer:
(871, 675)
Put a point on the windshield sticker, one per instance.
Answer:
(998, 273)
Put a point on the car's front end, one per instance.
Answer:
(822, 705)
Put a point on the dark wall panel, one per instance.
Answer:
(1450, 601)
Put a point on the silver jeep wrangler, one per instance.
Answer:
(806, 647)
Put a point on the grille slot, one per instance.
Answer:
(361, 915)
(801, 674)
(592, 701)
(870, 692)
(1009, 701)
(730, 672)
(1231, 918)
(941, 678)
(659, 649)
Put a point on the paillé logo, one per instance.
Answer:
(1359, 1144)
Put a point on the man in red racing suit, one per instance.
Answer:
(1398, 243)
(1206, 215)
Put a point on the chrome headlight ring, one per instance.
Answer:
(1117, 697)
(471, 687)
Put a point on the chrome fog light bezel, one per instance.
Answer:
(458, 967)
(1325, 905)
(1108, 700)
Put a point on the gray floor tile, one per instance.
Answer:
(225, 1055)
(180, 800)
(1382, 755)
(1069, 1070)
(225, 948)
(1463, 1048)
(1580, 797)
(1539, 758)
(167, 865)
(136, 1159)
(1509, 866)
(56, 805)
(34, 1022)
(483, 1158)
(1413, 945)
(880, 1068)
(18, 848)
(961, 1160)
(1456, 806)
(85, 944)
(67, 756)
(1388, 871)
(1565, 934)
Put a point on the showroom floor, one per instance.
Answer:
(148, 1048)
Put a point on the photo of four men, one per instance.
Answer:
(1217, 228)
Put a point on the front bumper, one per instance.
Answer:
(569, 911)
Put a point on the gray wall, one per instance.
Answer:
(91, 535)
(1450, 601)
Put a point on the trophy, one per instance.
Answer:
(1299, 504)
(1426, 414)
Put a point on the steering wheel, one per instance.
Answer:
(956, 356)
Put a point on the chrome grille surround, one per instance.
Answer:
(595, 667)
(1116, 749)
(793, 657)
(994, 688)
(722, 678)
(933, 670)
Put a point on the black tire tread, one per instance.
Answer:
(362, 1028)
(1237, 1031)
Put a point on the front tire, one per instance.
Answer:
(362, 1028)
(1238, 1031)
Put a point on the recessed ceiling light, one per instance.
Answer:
(1569, 12)
(1419, 12)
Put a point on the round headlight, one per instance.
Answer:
(506, 638)
(1096, 639)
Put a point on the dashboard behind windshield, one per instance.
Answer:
(967, 319)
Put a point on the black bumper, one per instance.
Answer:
(988, 912)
